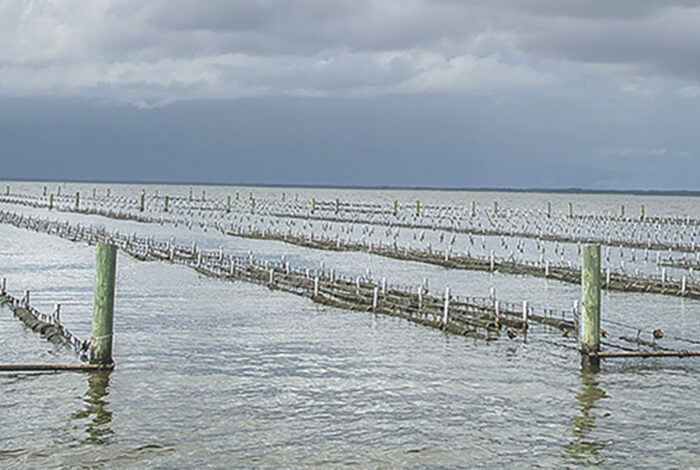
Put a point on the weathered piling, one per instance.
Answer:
(142, 201)
(77, 201)
(50, 201)
(590, 305)
(228, 203)
(571, 210)
(549, 210)
(165, 204)
(103, 304)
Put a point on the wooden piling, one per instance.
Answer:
(313, 205)
(549, 210)
(473, 208)
(417, 207)
(50, 201)
(142, 202)
(641, 212)
(590, 305)
(495, 207)
(622, 210)
(337, 206)
(77, 201)
(396, 207)
(165, 203)
(228, 203)
(103, 304)
(571, 210)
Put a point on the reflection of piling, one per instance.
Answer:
(590, 304)
(103, 305)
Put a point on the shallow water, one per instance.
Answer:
(213, 374)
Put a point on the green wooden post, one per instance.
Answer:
(495, 207)
(590, 304)
(396, 207)
(622, 210)
(228, 203)
(549, 210)
(108, 191)
(50, 201)
(417, 207)
(313, 205)
(77, 201)
(142, 203)
(337, 205)
(473, 208)
(641, 212)
(165, 203)
(45, 191)
(571, 210)
(103, 304)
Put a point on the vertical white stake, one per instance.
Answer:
(447, 306)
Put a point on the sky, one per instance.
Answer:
(593, 94)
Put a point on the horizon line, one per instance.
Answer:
(568, 190)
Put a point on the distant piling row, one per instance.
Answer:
(615, 280)
(574, 228)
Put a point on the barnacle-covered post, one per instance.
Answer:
(103, 304)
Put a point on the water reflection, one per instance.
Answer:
(582, 450)
(98, 429)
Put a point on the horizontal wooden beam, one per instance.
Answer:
(614, 354)
(54, 367)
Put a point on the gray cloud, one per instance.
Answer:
(152, 53)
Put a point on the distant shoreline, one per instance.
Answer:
(634, 192)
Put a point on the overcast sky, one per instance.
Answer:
(443, 93)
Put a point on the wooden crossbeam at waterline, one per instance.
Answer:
(482, 317)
